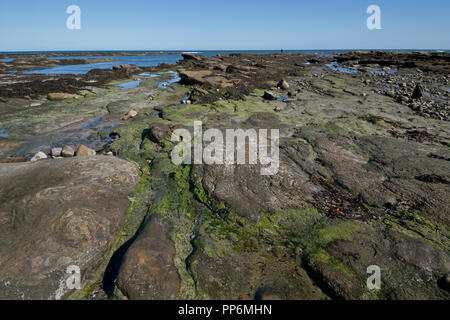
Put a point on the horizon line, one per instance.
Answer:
(200, 50)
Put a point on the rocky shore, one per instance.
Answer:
(86, 179)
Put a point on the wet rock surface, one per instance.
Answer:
(147, 270)
(59, 213)
(362, 178)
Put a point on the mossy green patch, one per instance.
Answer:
(320, 255)
(259, 92)
(128, 146)
(373, 295)
(291, 227)
(342, 231)
(249, 106)
(233, 233)
(325, 234)
(137, 212)
(87, 290)
(174, 96)
(186, 114)
(200, 192)
(418, 227)
(174, 202)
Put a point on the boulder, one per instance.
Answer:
(148, 271)
(57, 214)
(221, 67)
(67, 152)
(57, 96)
(39, 156)
(268, 294)
(445, 282)
(418, 92)
(56, 152)
(159, 108)
(194, 77)
(158, 132)
(85, 151)
(118, 107)
(283, 85)
(131, 114)
(269, 95)
(189, 56)
(129, 67)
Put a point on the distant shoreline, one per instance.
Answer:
(61, 53)
(51, 54)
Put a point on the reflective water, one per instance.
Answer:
(166, 84)
(335, 66)
(146, 75)
(140, 61)
(130, 84)
(381, 71)
(90, 124)
(149, 61)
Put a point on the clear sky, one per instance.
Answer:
(225, 24)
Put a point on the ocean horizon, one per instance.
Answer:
(168, 57)
(252, 51)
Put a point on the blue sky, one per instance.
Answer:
(225, 24)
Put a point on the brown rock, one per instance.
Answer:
(131, 114)
(57, 96)
(238, 68)
(85, 151)
(159, 132)
(56, 152)
(67, 152)
(221, 67)
(148, 271)
(60, 213)
(194, 77)
(159, 108)
(219, 81)
(189, 56)
(268, 294)
(13, 160)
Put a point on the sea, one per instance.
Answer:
(150, 61)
